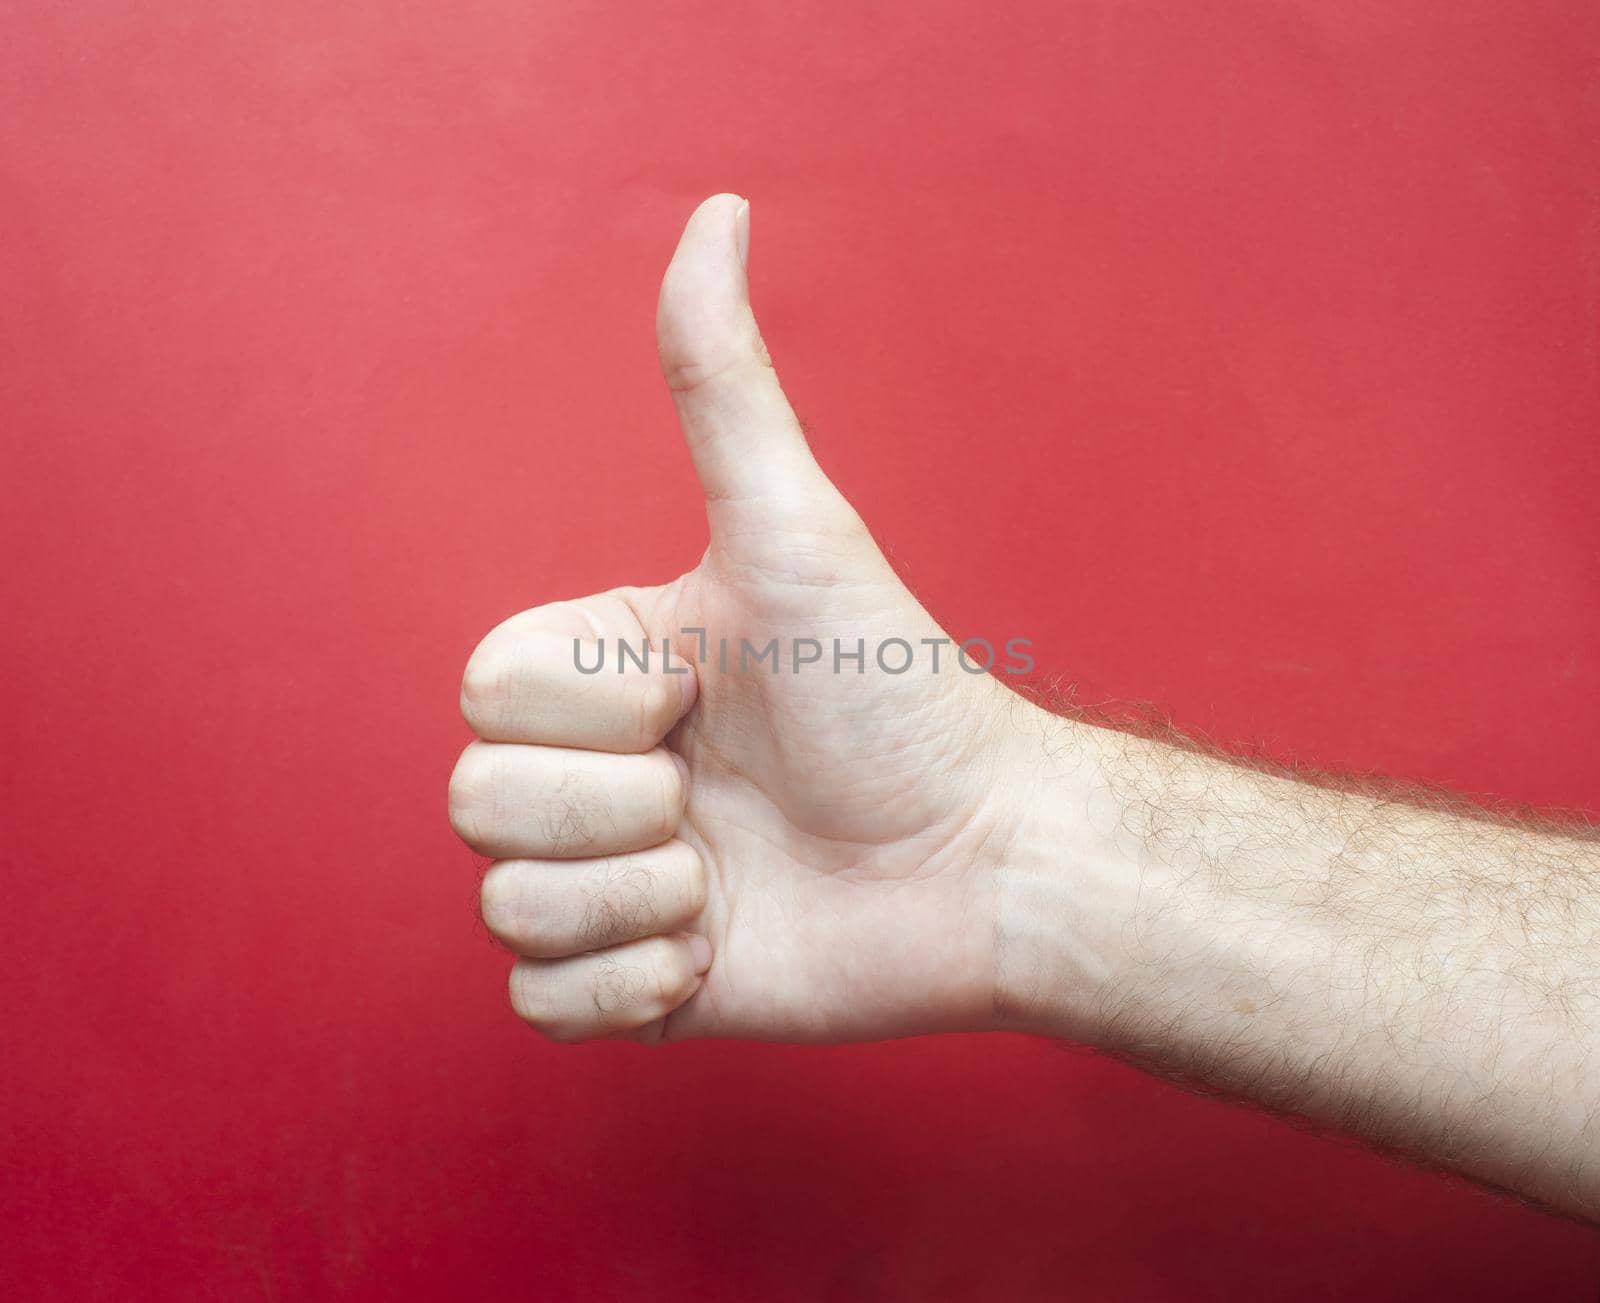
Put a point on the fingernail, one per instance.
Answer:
(741, 232)
(700, 952)
(688, 688)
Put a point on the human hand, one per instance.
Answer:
(814, 855)
(802, 855)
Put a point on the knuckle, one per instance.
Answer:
(618, 989)
(620, 901)
(483, 684)
(529, 997)
(722, 351)
(473, 796)
(576, 814)
(506, 901)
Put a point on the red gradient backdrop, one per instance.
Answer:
(1244, 356)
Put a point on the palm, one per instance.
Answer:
(832, 809)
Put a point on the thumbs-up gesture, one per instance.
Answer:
(745, 803)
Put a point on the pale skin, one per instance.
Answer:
(812, 856)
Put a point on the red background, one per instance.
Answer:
(1244, 356)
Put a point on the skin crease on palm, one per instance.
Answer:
(837, 827)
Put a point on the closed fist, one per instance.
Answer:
(744, 803)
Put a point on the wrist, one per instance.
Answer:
(1068, 881)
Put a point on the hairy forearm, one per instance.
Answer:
(1409, 972)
